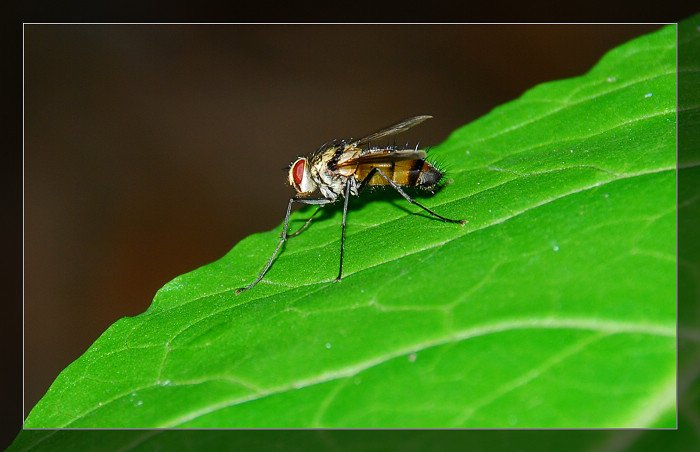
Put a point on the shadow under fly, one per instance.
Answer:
(342, 168)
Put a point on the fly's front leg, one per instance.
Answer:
(398, 188)
(319, 202)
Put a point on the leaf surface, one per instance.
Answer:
(554, 306)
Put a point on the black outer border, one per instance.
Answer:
(358, 11)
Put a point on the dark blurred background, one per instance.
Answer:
(151, 150)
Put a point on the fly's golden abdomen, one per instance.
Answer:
(408, 173)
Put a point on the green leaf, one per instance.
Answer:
(553, 307)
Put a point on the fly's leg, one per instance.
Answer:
(305, 224)
(342, 234)
(398, 188)
(319, 202)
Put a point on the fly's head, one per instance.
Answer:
(300, 177)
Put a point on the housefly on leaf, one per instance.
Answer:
(343, 168)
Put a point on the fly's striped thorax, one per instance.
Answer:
(408, 173)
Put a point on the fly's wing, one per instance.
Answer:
(391, 130)
(382, 156)
(360, 164)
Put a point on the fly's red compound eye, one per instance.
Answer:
(298, 171)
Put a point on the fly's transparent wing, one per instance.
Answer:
(391, 130)
(379, 156)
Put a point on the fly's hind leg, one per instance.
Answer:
(398, 188)
(307, 223)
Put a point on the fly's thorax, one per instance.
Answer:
(329, 178)
(331, 183)
(300, 177)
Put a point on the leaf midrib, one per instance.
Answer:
(609, 327)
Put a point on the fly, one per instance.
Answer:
(344, 168)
